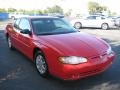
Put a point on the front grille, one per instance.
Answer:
(98, 56)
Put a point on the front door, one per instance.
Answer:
(25, 42)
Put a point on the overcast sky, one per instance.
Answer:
(76, 5)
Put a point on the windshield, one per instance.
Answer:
(51, 26)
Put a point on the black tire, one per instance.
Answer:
(105, 26)
(77, 25)
(41, 64)
(10, 46)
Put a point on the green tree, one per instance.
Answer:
(45, 11)
(111, 13)
(39, 11)
(2, 10)
(54, 9)
(22, 11)
(11, 10)
(94, 7)
(68, 13)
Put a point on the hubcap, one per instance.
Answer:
(40, 64)
(104, 26)
(9, 43)
(77, 25)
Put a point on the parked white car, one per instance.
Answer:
(96, 21)
(15, 16)
(117, 22)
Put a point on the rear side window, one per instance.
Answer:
(102, 17)
(91, 17)
(24, 24)
(16, 24)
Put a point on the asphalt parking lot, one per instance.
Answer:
(18, 73)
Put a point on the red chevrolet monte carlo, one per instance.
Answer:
(57, 48)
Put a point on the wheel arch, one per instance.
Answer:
(77, 22)
(105, 23)
(36, 49)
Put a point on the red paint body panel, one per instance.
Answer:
(72, 44)
(71, 72)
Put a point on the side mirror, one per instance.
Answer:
(26, 31)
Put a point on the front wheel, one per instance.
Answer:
(41, 64)
(104, 26)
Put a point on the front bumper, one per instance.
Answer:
(94, 66)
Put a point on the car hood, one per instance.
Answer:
(75, 44)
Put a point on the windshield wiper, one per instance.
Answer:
(46, 34)
(58, 28)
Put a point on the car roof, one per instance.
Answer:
(38, 17)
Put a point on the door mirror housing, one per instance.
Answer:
(26, 31)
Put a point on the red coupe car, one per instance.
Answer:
(57, 48)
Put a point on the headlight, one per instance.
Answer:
(109, 51)
(73, 60)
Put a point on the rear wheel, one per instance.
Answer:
(10, 43)
(104, 26)
(13, 18)
(78, 25)
(41, 64)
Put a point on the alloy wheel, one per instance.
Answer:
(41, 64)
